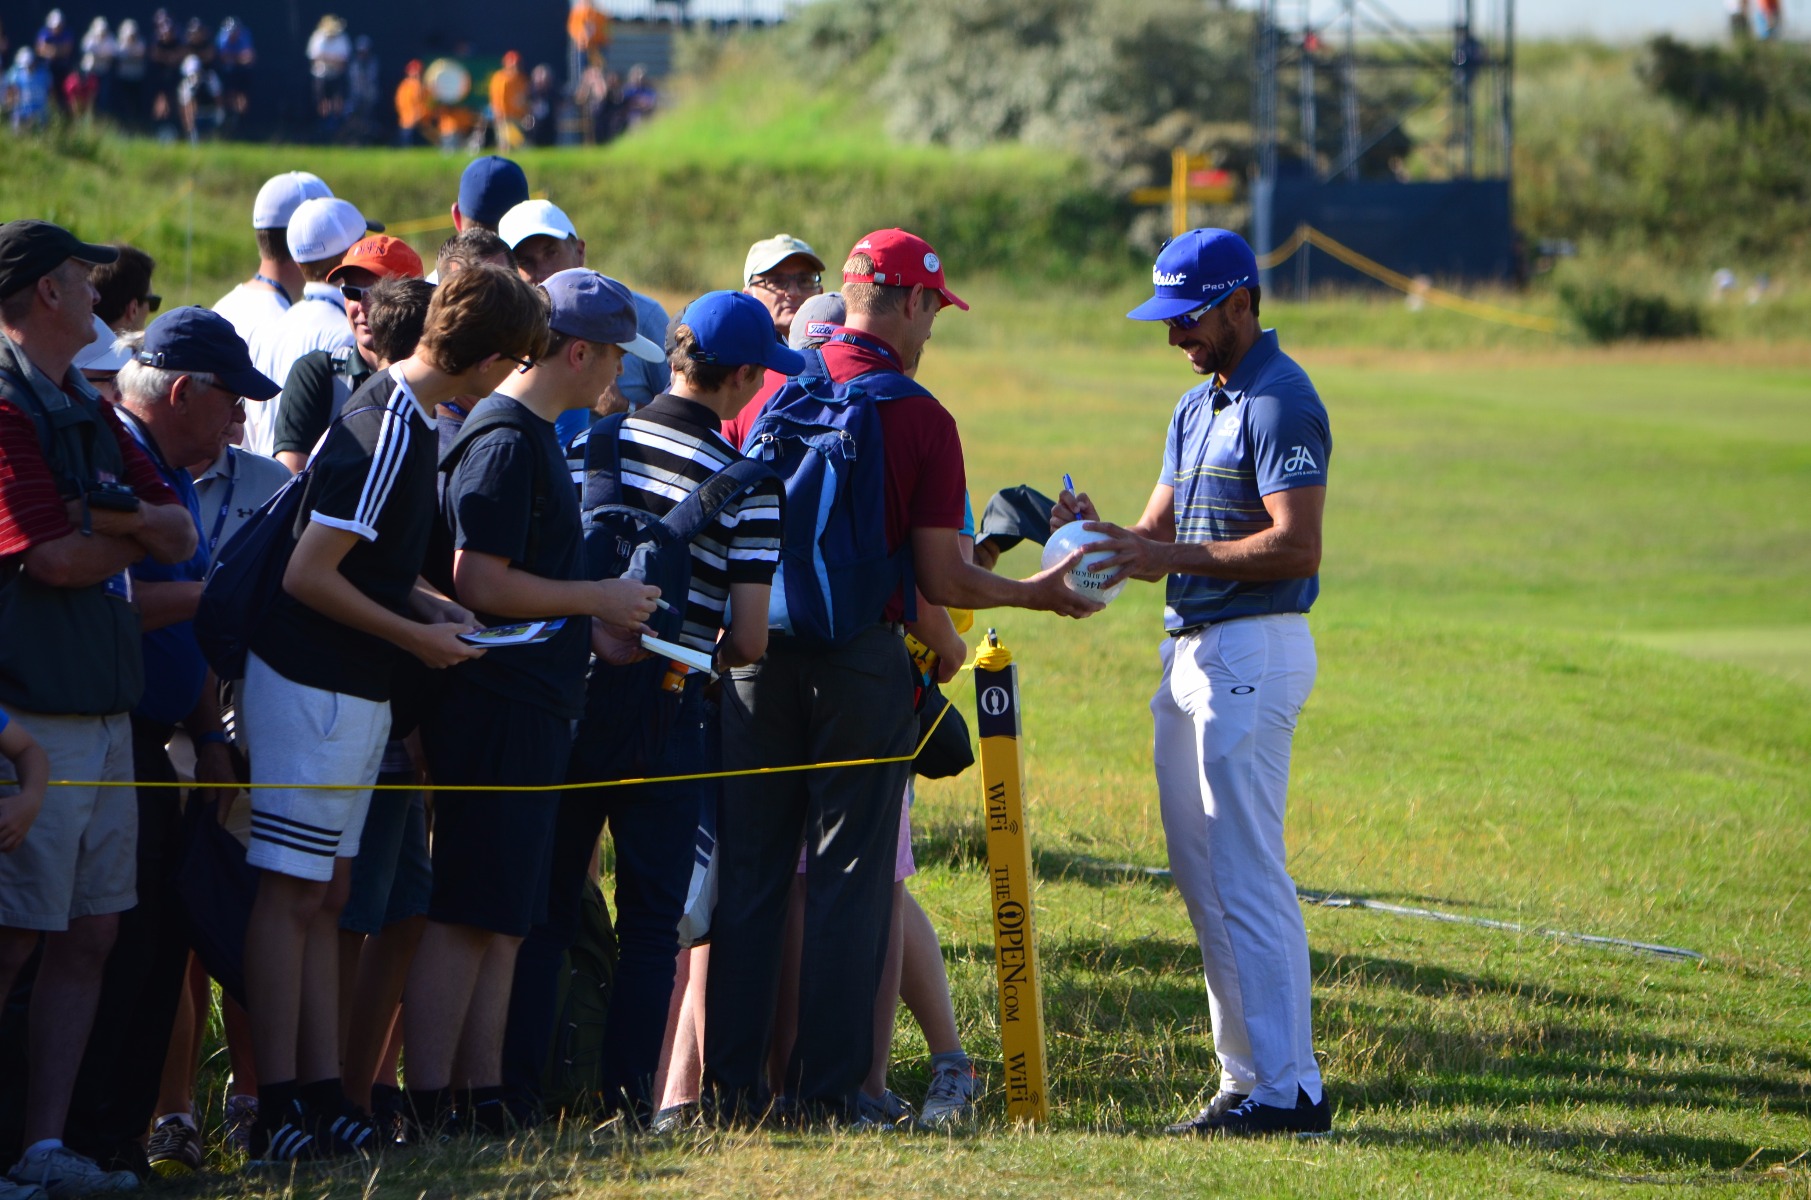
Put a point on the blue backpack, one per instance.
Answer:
(824, 440)
(622, 541)
(247, 577)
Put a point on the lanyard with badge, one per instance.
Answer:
(274, 286)
(226, 504)
(852, 338)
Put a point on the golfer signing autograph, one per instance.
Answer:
(1234, 527)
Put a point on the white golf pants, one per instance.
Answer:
(1225, 717)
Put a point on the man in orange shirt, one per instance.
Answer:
(414, 107)
(509, 101)
(588, 30)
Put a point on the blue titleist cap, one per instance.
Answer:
(1202, 267)
(596, 308)
(490, 187)
(734, 329)
(199, 340)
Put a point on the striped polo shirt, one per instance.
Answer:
(670, 447)
(1228, 447)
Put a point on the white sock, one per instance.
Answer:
(43, 1147)
(187, 1118)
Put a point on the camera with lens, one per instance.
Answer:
(112, 496)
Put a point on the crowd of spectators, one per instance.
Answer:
(194, 81)
(329, 911)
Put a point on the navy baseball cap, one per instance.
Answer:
(1202, 267)
(490, 187)
(733, 329)
(30, 250)
(596, 308)
(197, 339)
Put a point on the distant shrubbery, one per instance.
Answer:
(1689, 154)
(1608, 312)
(1120, 82)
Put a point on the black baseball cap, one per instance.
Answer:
(198, 339)
(30, 250)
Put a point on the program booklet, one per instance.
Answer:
(527, 633)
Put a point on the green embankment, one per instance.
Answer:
(1490, 736)
(1562, 638)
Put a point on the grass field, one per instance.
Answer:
(1565, 648)
(1563, 637)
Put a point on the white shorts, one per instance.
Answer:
(303, 735)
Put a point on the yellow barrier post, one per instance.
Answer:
(1009, 884)
(1193, 180)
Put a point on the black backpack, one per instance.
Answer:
(622, 541)
(573, 1076)
(438, 569)
(246, 579)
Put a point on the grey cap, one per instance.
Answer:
(817, 319)
(596, 308)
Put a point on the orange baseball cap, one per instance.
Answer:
(382, 255)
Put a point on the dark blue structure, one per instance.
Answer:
(1449, 230)
(1377, 72)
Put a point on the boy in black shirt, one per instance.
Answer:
(517, 556)
(721, 351)
(315, 703)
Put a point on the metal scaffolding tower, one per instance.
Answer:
(1452, 86)
(1467, 68)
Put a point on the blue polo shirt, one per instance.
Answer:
(175, 670)
(1265, 431)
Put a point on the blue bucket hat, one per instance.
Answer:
(1198, 269)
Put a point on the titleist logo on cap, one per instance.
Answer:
(820, 329)
(1168, 278)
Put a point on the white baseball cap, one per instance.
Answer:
(105, 353)
(769, 253)
(278, 198)
(534, 218)
(324, 227)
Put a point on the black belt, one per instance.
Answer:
(1188, 630)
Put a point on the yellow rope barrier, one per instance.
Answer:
(419, 225)
(1308, 235)
(551, 787)
(160, 212)
(1286, 251)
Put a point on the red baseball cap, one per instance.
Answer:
(383, 256)
(902, 259)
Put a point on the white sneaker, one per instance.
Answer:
(21, 1191)
(62, 1172)
(950, 1100)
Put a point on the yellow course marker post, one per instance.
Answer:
(1009, 884)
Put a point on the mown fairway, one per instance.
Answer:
(1494, 734)
(1565, 640)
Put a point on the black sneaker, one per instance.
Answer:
(1251, 1119)
(288, 1142)
(174, 1149)
(1202, 1122)
(345, 1130)
(389, 1107)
